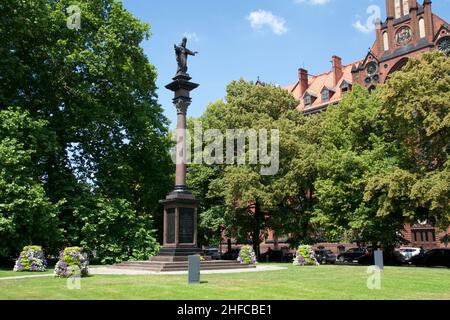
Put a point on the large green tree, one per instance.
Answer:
(353, 150)
(385, 155)
(247, 202)
(95, 88)
(27, 215)
(415, 109)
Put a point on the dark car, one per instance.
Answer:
(233, 254)
(393, 258)
(277, 256)
(433, 258)
(325, 256)
(352, 254)
(272, 256)
(213, 253)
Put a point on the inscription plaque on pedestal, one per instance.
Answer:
(186, 231)
(171, 226)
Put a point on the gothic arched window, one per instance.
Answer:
(385, 41)
(422, 31)
(405, 7)
(398, 9)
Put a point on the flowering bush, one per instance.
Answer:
(247, 255)
(32, 259)
(305, 257)
(72, 262)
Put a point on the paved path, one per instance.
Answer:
(112, 271)
(27, 277)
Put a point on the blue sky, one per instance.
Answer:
(250, 38)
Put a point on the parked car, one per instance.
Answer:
(433, 258)
(277, 256)
(393, 258)
(213, 253)
(352, 254)
(233, 254)
(408, 253)
(324, 256)
(272, 256)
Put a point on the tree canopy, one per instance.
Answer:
(253, 203)
(95, 89)
(358, 172)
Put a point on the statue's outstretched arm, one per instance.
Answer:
(189, 52)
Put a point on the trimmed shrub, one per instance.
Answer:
(247, 256)
(32, 259)
(72, 262)
(305, 257)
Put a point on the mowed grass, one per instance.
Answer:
(9, 273)
(295, 283)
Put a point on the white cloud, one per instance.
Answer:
(362, 28)
(191, 36)
(259, 19)
(374, 17)
(313, 2)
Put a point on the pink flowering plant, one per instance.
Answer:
(305, 257)
(32, 258)
(72, 262)
(247, 256)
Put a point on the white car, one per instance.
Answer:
(408, 253)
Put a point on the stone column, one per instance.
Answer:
(180, 177)
(180, 206)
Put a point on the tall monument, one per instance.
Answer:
(180, 206)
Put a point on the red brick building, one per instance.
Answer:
(409, 30)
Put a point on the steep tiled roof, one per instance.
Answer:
(317, 83)
(438, 22)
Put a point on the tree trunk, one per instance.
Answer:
(256, 230)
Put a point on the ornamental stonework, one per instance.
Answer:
(403, 36)
(182, 106)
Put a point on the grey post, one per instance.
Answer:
(194, 269)
(379, 261)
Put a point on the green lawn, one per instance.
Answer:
(9, 273)
(325, 282)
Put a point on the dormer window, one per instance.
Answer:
(309, 99)
(326, 94)
(345, 86)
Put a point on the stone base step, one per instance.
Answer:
(157, 266)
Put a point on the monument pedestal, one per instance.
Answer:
(180, 227)
(180, 239)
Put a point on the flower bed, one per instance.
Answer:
(32, 259)
(72, 262)
(305, 257)
(247, 256)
